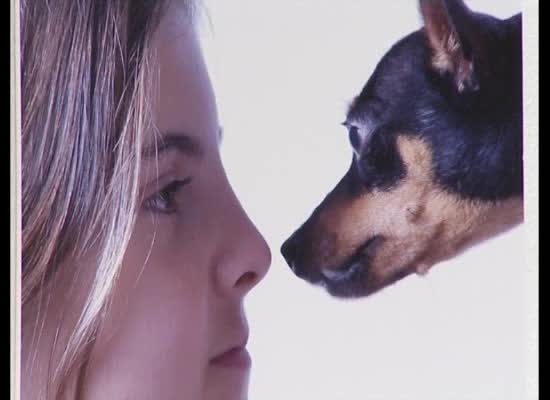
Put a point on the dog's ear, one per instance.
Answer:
(451, 34)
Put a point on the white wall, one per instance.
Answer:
(284, 72)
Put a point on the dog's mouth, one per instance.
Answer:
(349, 279)
(352, 266)
(359, 275)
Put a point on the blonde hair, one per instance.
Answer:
(85, 80)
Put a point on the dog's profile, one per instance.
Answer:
(437, 166)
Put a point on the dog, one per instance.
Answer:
(437, 160)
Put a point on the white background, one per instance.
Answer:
(284, 72)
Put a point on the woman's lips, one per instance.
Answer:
(237, 357)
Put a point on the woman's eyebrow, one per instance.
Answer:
(179, 141)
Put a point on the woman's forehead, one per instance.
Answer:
(185, 99)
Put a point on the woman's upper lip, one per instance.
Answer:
(237, 357)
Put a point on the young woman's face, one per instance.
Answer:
(176, 327)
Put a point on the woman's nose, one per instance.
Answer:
(246, 257)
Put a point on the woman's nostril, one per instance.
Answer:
(248, 279)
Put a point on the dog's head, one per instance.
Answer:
(436, 134)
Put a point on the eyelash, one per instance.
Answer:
(163, 201)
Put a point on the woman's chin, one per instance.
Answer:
(227, 383)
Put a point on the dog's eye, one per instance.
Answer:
(354, 138)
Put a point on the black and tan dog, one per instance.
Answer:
(437, 165)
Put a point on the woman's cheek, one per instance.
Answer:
(154, 337)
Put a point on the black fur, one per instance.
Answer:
(475, 136)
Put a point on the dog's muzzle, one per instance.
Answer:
(294, 252)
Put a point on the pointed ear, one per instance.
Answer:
(449, 54)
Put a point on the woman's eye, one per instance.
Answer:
(164, 201)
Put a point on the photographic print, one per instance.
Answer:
(296, 199)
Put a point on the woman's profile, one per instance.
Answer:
(136, 252)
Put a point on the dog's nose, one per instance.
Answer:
(289, 250)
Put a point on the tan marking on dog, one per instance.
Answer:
(422, 224)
